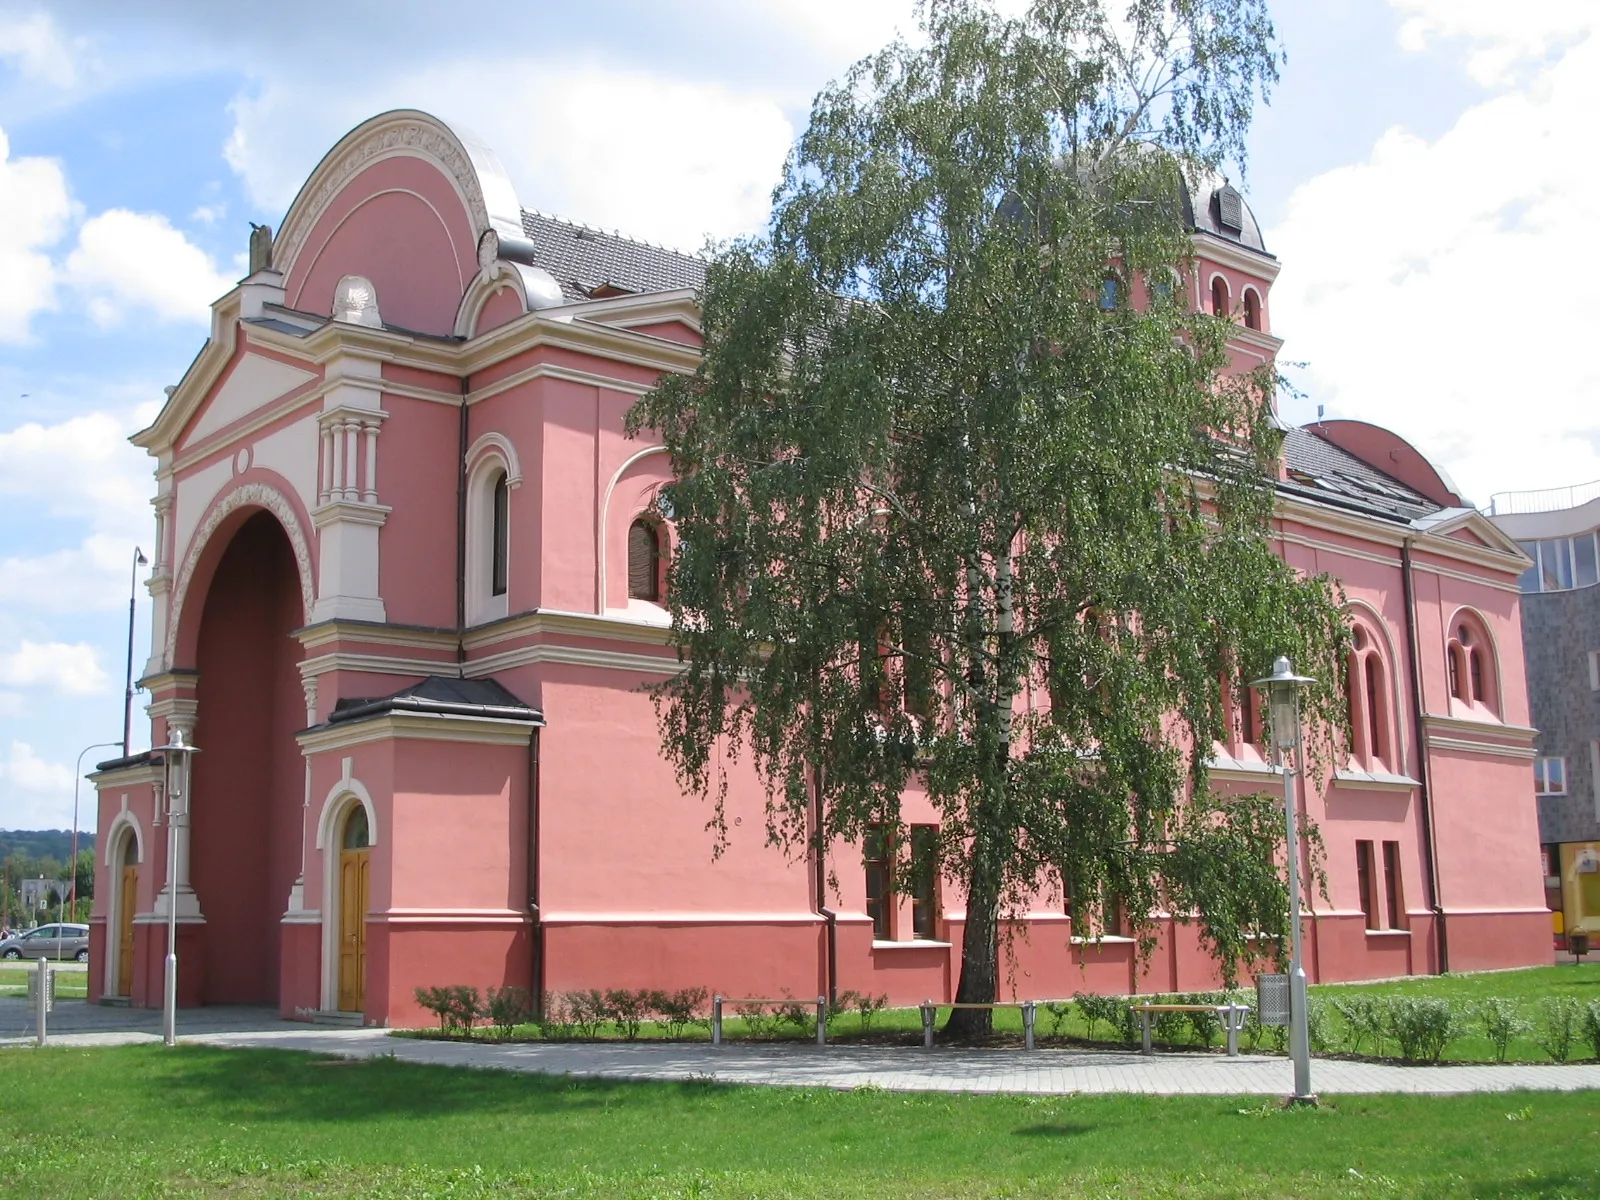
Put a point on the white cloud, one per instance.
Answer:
(37, 793)
(137, 262)
(68, 669)
(37, 48)
(10, 704)
(1438, 288)
(36, 208)
(1501, 38)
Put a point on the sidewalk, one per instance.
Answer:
(897, 1069)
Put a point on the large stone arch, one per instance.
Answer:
(227, 512)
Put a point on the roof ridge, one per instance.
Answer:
(613, 233)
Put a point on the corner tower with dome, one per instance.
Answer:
(408, 593)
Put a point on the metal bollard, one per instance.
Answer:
(1028, 1014)
(928, 1012)
(716, 1020)
(43, 996)
(822, 1020)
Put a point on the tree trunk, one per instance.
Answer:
(980, 951)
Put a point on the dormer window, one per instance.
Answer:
(1230, 209)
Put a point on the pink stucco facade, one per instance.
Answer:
(327, 622)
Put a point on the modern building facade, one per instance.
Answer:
(407, 595)
(1556, 528)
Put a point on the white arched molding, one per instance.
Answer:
(605, 520)
(491, 456)
(247, 495)
(344, 796)
(1480, 624)
(124, 824)
(488, 284)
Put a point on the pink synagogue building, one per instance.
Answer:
(407, 590)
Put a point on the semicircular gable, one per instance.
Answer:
(401, 200)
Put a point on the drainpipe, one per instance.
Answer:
(831, 982)
(536, 933)
(1430, 846)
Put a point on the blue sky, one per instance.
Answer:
(1426, 173)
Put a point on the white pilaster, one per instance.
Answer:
(350, 515)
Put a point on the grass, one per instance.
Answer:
(70, 985)
(142, 1121)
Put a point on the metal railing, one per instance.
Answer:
(1543, 499)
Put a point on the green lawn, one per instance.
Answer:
(143, 1121)
(70, 985)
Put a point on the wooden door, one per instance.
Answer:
(354, 858)
(126, 900)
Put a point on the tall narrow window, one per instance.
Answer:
(1375, 722)
(1252, 309)
(924, 883)
(1472, 675)
(644, 561)
(1365, 881)
(1108, 293)
(501, 536)
(879, 893)
(1219, 297)
(1394, 894)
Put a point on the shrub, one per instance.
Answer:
(1319, 1029)
(1205, 1027)
(1422, 1027)
(555, 1022)
(758, 1021)
(628, 1010)
(676, 1011)
(1059, 1012)
(1501, 1022)
(436, 1000)
(1591, 1026)
(1170, 1027)
(867, 1006)
(1363, 1020)
(587, 1011)
(457, 1006)
(508, 1007)
(1559, 1026)
(796, 1013)
(1096, 1009)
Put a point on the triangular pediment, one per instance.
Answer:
(254, 381)
(1470, 526)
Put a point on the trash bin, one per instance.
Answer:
(1577, 944)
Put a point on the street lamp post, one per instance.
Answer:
(1282, 689)
(77, 779)
(177, 755)
(139, 560)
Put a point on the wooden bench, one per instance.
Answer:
(1030, 1012)
(785, 1001)
(1232, 1020)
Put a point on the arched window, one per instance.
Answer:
(1252, 309)
(1108, 293)
(644, 561)
(1472, 673)
(1366, 684)
(1219, 296)
(500, 535)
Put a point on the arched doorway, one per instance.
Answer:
(127, 899)
(355, 856)
(248, 785)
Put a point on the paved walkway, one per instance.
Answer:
(898, 1069)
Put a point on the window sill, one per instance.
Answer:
(1374, 781)
(913, 944)
(1380, 933)
(1109, 940)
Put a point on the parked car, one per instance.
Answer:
(49, 941)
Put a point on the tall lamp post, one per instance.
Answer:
(1282, 691)
(177, 755)
(139, 560)
(77, 780)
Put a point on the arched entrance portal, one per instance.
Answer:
(354, 859)
(248, 782)
(127, 899)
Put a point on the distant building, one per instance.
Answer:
(38, 893)
(408, 588)
(1561, 645)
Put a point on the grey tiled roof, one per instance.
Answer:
(582, 259)
(1328, 473)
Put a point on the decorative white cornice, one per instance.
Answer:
(572, 624)
(429, 727)
(1211, 248)
(327, 633)
(355, 512)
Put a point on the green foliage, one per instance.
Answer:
(628, 1010)
(1501, 1021)
(674, 1012)
(939, 513)
(759, 1019)
(1421, 1027)
(867, 1006)
(1058, 1011)
(1112, 1011)
(1558, 1026)
(1363, 1022)
(457, 1007)
(508, 1007)
(1591, 1027)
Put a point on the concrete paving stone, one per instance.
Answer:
(946, 1069)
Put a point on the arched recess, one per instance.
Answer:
(124, 824)
(1375, 661)
(1472, 666)
(491, 460)
(227, 513)
(631, 492)
(347, 794)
